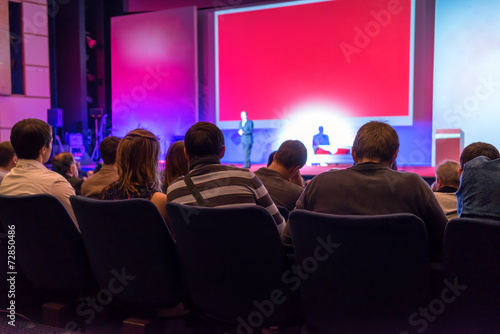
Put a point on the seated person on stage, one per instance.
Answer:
(447, 182)
(370, 187)
(137, 160)
(8, 158)
(176, 164)
(282, 178)
(64, 164)
(217, 184)
(32, 141)
(479, 191)
(108, 173)
(320, 139)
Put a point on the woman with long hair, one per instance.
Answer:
(137, 162)
(176, 164)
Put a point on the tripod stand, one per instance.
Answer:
(98, 134)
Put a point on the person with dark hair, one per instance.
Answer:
(218, 185)
(8, 158)
(138, 177)
(64, 164)
(108, 173)
(447, 183)
(245, 131)
(475, 150)
(479, 191)
(371, 187)
(271, 158)
(278, 176)
(32, 141)
(176, 164)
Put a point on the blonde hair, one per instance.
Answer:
(137, 161)
(447, 171)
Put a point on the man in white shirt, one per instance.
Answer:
(32, 141)
(8, 158)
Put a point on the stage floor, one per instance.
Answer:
(311, 171)
(308, 172)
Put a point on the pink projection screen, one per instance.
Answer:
(154, 73)
(355, 56)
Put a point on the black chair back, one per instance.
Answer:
(472, 268)
(48, 245)
(283, 211)
(130, 248)
(234, 261)
(361, 274)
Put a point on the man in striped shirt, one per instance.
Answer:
(216, 185)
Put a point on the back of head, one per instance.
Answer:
(137, 160)
(376, 140)
(448, 173)
(291, 153)
(271, 158)
(29, 136)
(6, 153)
(108, 148)
(477, 149)
(62, 162)
(176, 163)
(204, 140)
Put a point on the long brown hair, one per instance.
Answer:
(137, 161)
(176, 163)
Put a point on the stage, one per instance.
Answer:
(308, 172)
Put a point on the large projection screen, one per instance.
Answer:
(350, 58)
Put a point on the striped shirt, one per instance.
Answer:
(224, 186)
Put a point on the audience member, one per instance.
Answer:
(475, 150)
(217, 185)
(447, 182)
(8, 158)
(137, 160)
(288, 160)
(271, 158)
(176, 164)
(108, 173)
(370, 187)
(64, 164)
(479, 191)
(32, 141)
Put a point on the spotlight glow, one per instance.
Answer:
(305, 120)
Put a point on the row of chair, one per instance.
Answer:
(350, 274)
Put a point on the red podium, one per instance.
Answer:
(449, 144)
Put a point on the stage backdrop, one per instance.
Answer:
(376, 54)
(466, 70)
(352, 56)
(154, 73)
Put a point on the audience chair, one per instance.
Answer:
(472, 268)
(234, 263)
(283, 211)
(360, 274)
(50, 255)
(48, 246)
(131, 251)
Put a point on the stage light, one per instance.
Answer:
(91, 42)
(304, 122)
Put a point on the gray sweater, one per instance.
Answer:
(372, 189)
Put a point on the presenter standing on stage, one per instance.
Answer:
(245, 131)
